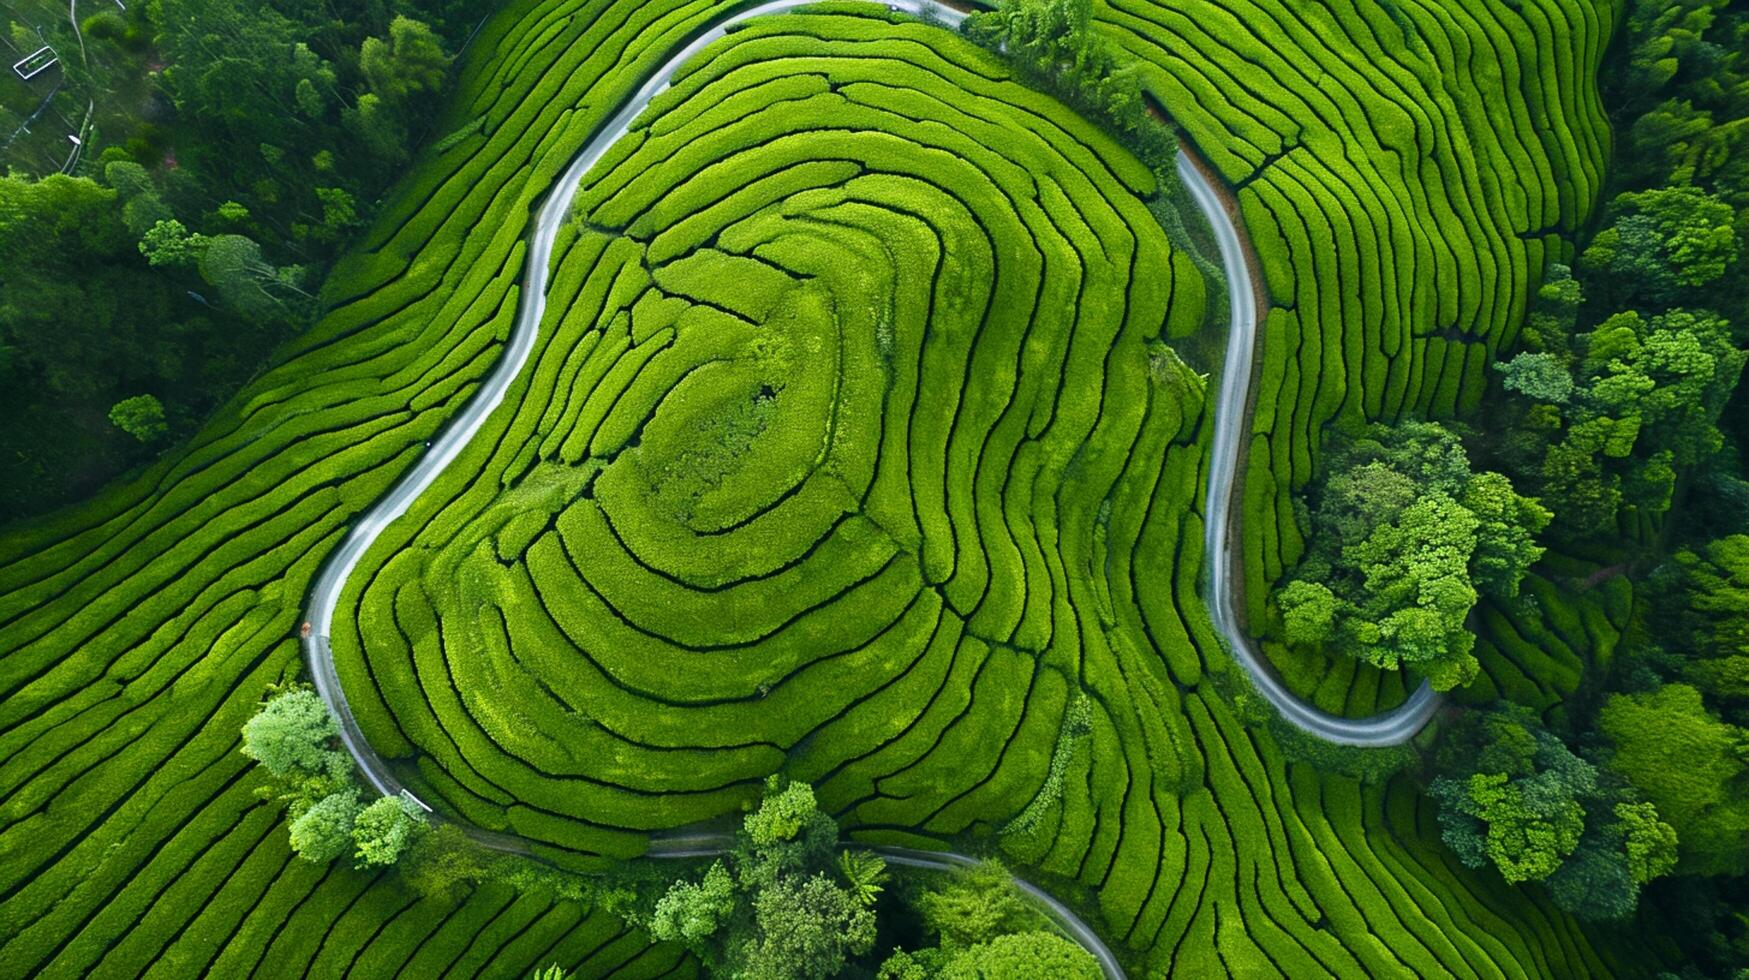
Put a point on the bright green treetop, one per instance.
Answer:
(1022, 956)
(141, 416)
(1690, 765)
(1404, 538)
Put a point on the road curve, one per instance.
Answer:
(1229, 413)
(1393, 727)
(331, 580)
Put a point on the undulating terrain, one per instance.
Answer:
(866, 433)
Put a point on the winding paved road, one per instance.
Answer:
(1230, 418)
(1393, 727)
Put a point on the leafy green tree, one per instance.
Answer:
(975, 906)
(141, 416)
(773, 909)
(323, 831)
(1531, 827)
(247, 282)
(1594, 883)
(383, 830)
(1649, 841)
(808, 927)
(142, 206)
(691, 913)
(1022, 956)
(1703, 598)
(787, 834)
(1690, 766)
(410, 64)
(169, 243)
(1641, 399)
(907, 965)
(442, 862)
(1054, 43)
(1663, 241)
(1539, 376)
(863, 872)
(292, 736)
(1514, 797)
(1308, 613)
(1403, 537)
(377, 127)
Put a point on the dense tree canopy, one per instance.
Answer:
(1513, 796)
(295, 740)
(1691, 766)
(782, 906)
(1404, 538)
(191, 243)
(1609, 415)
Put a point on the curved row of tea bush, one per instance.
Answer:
(841, 286)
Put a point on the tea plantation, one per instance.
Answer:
(854, 445)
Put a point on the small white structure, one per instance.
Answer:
(35, 63)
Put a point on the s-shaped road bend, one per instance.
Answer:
(324, 598)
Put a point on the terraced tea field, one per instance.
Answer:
(835, 429)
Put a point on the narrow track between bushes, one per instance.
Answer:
(1230, 412)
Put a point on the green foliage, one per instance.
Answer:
(169, 243)
(294, 738)
(322, 831)
(1531, 825)
(1308, 613)
(84, 324)
(383, 830)
(975, 906)
(206, 117)
(551, 972)
(1077, 725)
(1702, 600)
(1642, 398)
(1690, 765)
(443, 863)
(1403, 536)
(1540, 377)
(863, 872)
(807, 928)
(141, 416)
(1513, 796)
(1650, 842)
(1022, 956)
(1110, 598)
(773, 910)
(1664, 241)
(693, 912)
(783, 816)
(407, 66)
(1053, 42)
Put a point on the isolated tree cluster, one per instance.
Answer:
(1404, 539)
(295, 740)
